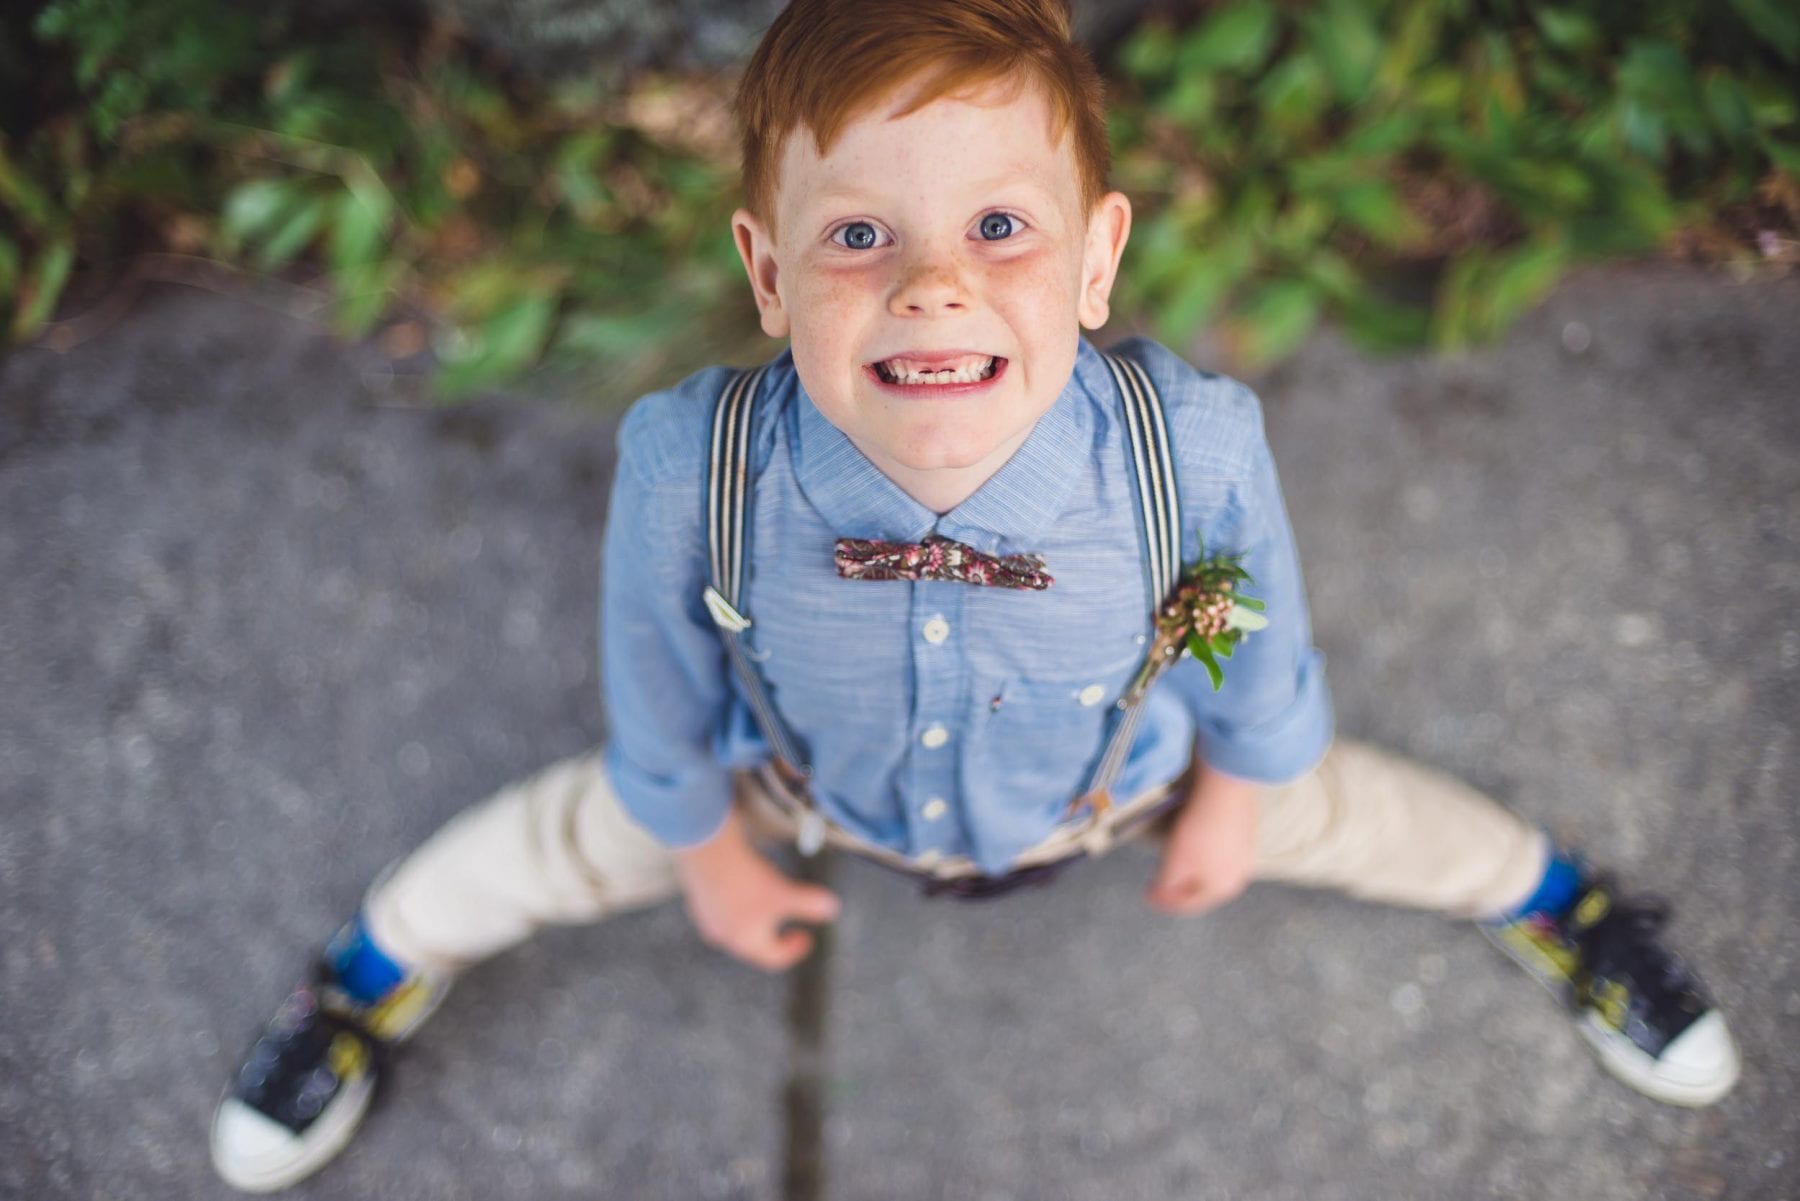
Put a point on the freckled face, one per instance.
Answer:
(933, 272)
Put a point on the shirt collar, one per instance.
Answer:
(1010, 511)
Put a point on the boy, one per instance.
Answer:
(927, 221)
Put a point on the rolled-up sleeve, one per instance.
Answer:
(1272, 721)
(663, 667)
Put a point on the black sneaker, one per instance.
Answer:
(307, 1082)
(1643, 1011)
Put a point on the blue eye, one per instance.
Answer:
(859, 235)
(996, 226)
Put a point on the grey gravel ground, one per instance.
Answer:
(263, 628)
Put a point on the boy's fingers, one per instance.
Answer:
(1171, 881)
(1184, 894)
(790, 948)
(815, 904)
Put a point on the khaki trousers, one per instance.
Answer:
(558, 848)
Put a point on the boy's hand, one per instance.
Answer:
(1211, 852)
(740, 902)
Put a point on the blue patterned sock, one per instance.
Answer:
(362, 968)
(1555, 892)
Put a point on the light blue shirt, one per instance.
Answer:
(941, 716)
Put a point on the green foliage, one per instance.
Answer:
(1285, 158)
(522, 220)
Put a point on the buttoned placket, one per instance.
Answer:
(939, 682)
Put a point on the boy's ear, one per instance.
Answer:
(756, 246)
(1109, 225)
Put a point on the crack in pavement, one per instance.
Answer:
(803, 1094)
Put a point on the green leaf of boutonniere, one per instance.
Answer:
(1245, 619)
(1207, 614)
(1202, 650)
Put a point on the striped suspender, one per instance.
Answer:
(1160, 508)
(727, 523)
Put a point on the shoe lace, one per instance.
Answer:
(282, 1074)
(1622, 955)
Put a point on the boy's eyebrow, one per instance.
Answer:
(844, 194)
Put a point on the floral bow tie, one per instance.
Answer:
(938, 558)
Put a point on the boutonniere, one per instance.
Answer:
(1207, 614)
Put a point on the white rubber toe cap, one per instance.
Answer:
(256, 1154)
(250, 1151)
(1702, 1063)
(1700, 1066)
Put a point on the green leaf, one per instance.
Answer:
(620, 335)
(1409, 47)
(1344, 37)
(1655, 79)
(44, 284)
(507, 343)
(1197, 295)
(1775, 22)
(1337, 280)
(1729, 108)
(1383, 325)
(21, 193)
(1243, 618)
(1300, 226)
(1453, 322)
(1786, 158)
(1293, 93)
(1149, 53)
(1276, 318)
(1374, 207)
(358, 231)
(1643, 203)
(1500, 126)
(1234, 38)
(364, 293)
(577, 172)
(1522, 280)
(1383, 135)
(1644, 129)
(1438, 92)
(1774, 104)
(1252, 602)
(1571, 31)
(1253, 209)
(1159, 249)
(516, 333)
(1203, 652)
(1554, 186)
(254, 206)
(1191, 99)
(294, 234)
(9, 264)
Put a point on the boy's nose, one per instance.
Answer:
(929, 287)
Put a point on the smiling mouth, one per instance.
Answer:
(962, 369)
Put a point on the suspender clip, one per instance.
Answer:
(811, 835)
(723, 615)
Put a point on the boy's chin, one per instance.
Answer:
(957, 452)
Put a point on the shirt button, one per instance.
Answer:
(934, 737)
(934, 809)
(936, 630)
(1093, 694)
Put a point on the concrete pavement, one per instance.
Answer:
(265, 625)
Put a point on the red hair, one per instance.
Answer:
(823, 62)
